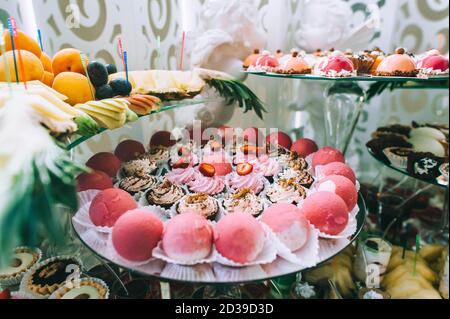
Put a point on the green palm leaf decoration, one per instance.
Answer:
(236, 92)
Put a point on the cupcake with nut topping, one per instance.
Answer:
(134, 185)
(165, 195)
(244, 201)
(201, 204)
(286, 191)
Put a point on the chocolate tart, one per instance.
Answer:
(425, 165)
(48, 276)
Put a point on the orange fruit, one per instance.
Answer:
(46, 62)
(23, 42)
(75, 86)
(68, 60)
(48, 78)
(34, 70)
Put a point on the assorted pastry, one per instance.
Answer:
(336, 64)
(233, 193)
(420, 149)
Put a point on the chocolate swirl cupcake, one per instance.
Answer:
(142, 167)
(201, 204)
(244, 201)
(165, 195)
(286, 191)
(134, 185)
(158, 154)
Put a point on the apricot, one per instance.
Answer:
(33, 68)
(75, 86)
(23, 42)
(46, 62)
(68, 60)
(48, 78)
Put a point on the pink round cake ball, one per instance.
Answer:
(109, 205)
(327, 212)
(338, 168)
(304, 147)
(129, 150)
(341, 186)
(97, 180)
(239, 237)
(279, 138)
(327, 155)
(288, 223)
(188, 237)
(105, 162)
(136, 234)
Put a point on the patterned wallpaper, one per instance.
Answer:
(414, 24)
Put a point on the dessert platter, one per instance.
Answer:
(219, 210)
(417, 150)
(370, 65)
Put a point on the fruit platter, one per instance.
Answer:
(230, 207)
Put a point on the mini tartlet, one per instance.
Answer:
(135, 185)
(398, 64)
(398, 156)
(88, 288)
(22, 260)
(286, 191)
(244, 201)
(165, 195)
(201, 204)
(48, 276)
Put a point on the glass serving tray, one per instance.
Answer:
(211, 274)
(77, 139)
(363, 78)
(437, 182)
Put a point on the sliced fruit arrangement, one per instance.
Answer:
(109, 113)
(144, 104)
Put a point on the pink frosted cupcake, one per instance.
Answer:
(206, 181)
(183, 171)
(268, 167)
(246, 177)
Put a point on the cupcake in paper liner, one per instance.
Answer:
(45, 278)
(197, 273)
(141, 167)
(287, 191)
(240, 241)
(303, 177)
(86, 288)
(244, 201)
(158, 154)
(22, 260)
(398, 156)
(187, 240)
(165, 195)
(201, 204)
(135, 185)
